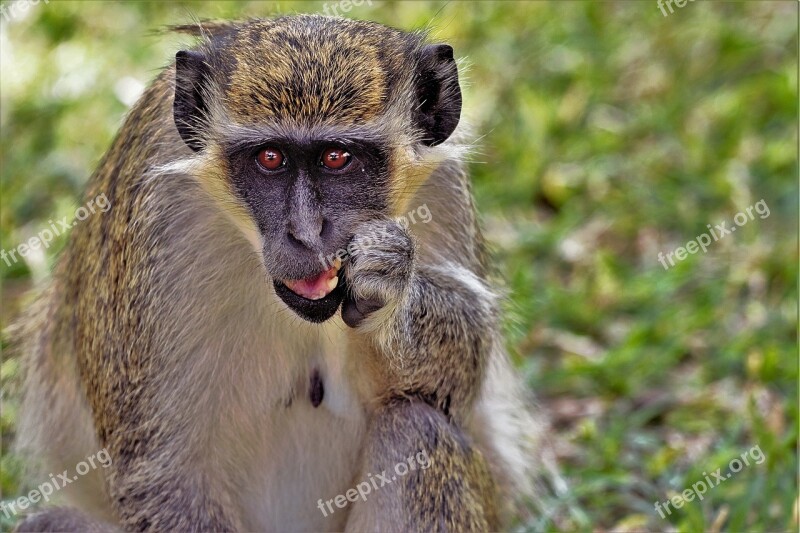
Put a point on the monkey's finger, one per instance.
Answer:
(354, 310)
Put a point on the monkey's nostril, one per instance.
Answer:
(294, 240)
(306, 235)
(325, 228)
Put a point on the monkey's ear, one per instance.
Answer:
(189, 109)
(438, 106)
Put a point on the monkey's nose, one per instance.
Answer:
(307, 234)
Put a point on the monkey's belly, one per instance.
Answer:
(307, 454)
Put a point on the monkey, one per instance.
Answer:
(236, 380)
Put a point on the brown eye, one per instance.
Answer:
(270, 158)
(335, 158)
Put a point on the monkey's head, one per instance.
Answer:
(304, 127)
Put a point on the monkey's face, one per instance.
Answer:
(320, 124)
(306, 196)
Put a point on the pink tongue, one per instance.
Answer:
(314, 288)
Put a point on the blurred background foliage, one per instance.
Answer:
(607, 133)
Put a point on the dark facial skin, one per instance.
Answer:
(304, 209)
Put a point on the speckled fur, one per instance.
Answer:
(160, 336)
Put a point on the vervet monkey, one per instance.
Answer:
(238, 382)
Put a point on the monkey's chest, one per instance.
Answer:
(307, 450)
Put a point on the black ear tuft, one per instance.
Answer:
(438, 94)
(191, 75)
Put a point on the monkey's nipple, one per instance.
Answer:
(317, 287)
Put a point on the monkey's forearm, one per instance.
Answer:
(440, 335)
(446, 487)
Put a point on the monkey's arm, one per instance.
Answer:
(427, 475)
(433, 323)
(147, 407)
(163, 476)
(160, 478)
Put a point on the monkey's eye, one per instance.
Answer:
(270, 158)
(335, 158)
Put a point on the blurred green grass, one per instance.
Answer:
(608, 133)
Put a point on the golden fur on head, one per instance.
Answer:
(309, 68)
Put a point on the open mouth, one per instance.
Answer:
(315, 299)
(318, 287)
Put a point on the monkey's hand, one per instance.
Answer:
(378, 271)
